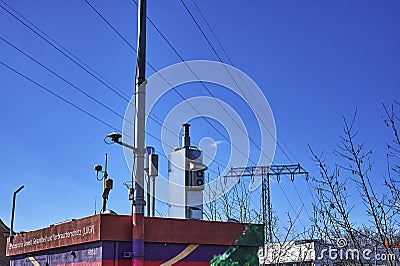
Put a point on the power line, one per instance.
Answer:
(65, 80)
(110, 25)
(298, 195)
(78, 89)
(69, 55)
(231, 62)
(173, 88)
(229, 73)
(290, 203)
(204, 85)
(74, 59)
(212, 32)
(226, 54)
(238, 86)
(69, 102)
(60, 97)
(89, 73)
(181, 58)
(176, 52)
(220, 59)
(97, 76)
(73, 104)
(229, 59)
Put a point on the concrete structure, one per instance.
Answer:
(4, 231)
(106, 239)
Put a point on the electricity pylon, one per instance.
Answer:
(265, 172)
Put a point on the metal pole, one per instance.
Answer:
(153, 200)
(104, 205)
(140, 98)
(263, 210)
(13, 212)
(148, 195)
(105, 191)
(140, 93)
(269, 210)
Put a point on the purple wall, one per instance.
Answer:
(95, 251)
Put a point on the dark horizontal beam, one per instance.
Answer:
(272, 170)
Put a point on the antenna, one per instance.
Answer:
(95, 205)
(105, 167)
(107, 183)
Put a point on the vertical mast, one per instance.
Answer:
(140, 97)
(138, 171)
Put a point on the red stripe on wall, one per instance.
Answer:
(183, 263)
(129, 263)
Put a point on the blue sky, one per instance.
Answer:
(316, 61)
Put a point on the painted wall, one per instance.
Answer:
(112, 253)
(107, 240)
(97, 253)
(3, 240)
